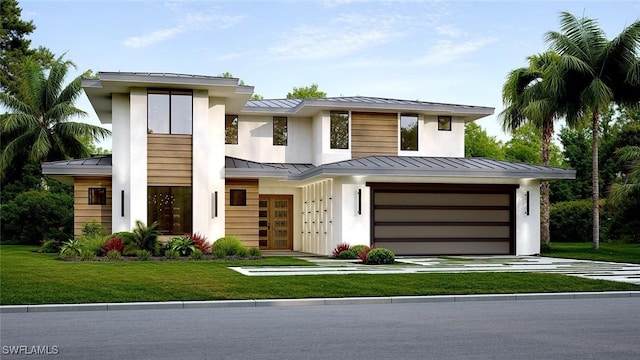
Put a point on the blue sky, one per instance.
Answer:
(441, 51)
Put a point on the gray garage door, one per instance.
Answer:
(442, 219)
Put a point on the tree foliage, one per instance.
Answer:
(15, 46)
(477, 143)
(308, 92)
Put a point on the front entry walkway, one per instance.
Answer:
(629, 273)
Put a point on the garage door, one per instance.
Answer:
(442, 219)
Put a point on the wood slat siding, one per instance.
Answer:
(242, 221)
(169, 160)
(418, 219)
(82, 211)
(374, 134)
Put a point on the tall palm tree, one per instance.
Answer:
(38, 123)
(597, 72)
(530, 97)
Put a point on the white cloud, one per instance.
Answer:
(185, 22)
(345, 35)
(449, 30)
(445, 51)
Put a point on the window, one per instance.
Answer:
(170, 112)
(444, 123)
(409, 132)
(170, 206)
(339, 138)
(231, 129)
(279, 130)
(97, 196)
(238, 197)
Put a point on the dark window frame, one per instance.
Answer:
(170, 94)
(280, 133)
(97, 196)
(231, 122)
(404, 132)
(444, 126)
(167, 225)
(238, 197)
(335, 143)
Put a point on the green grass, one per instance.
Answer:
(31, 278)
(616, 252)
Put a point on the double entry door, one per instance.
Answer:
(276, 222)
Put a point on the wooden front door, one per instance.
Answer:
(276, 222)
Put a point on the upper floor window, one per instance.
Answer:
(409, 132)
(279, 130)
(339, 138)
(444, 123)
(231, 129)
(170, 112)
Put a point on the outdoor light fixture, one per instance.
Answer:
(359, 194)
(527, 212)
(214, 205)
(122, 203)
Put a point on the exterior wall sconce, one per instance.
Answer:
(122, 203)
(527, 211)
(359, 195)
(214, 205)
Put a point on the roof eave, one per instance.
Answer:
(76, 170)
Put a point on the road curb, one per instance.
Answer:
(310, 302)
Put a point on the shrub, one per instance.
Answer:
(200, 242)
(71, 247)
(36, 215)
(114, 255)
(571, 221)
(182, 244)
(346, 254)
(50, 247)
(196, 255)
(143, 255)
(92, 243)
(357, 249)
(131, 250)
(227, 246)
(255, 252)
(171, 255)
(146, 237)
(242, 252)
(340, 248)
(113, 244)
(92, 228)
(364, 253)
(88, 256)
(380, 256)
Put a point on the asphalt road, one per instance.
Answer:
(533, 329)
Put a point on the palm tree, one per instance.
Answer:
(596, 72)
(38, 123)
(530, 97)
(629, 155)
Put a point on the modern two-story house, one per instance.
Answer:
(197, 155)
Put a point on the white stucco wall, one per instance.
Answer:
(323, 153)
(129, 170)
(356, 228)
(255, 140)
(528, 225)
(442, 143)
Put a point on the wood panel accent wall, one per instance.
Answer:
(169, 160)
(374, 134)
(242, 221)
(82, 211)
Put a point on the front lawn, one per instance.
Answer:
(617, 252)
(31, 278)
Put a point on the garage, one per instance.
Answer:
(443, 219)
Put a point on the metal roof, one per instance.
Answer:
(436, 167)
(96, 165)
(304, 107)
(413, 166)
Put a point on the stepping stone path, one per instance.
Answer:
(622, 272)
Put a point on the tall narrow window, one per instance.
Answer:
(231, 129)
(170, 112)
(409, 132)
(339, 138)
(279, 130)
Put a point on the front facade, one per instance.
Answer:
(196, 155)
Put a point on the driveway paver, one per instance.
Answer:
(622, 272)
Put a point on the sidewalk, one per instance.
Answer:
(628, 273)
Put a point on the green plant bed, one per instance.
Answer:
(33, 278)
(613, 251)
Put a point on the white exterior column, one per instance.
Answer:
(528, 225)
(138, 156)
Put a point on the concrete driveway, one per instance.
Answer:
(629, 273)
